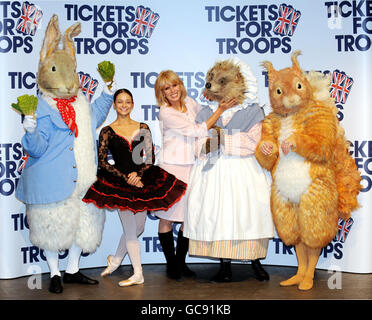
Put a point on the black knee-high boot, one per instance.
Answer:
(181, 252)
(167, 243)
(225, 273)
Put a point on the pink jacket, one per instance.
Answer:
(179, 133)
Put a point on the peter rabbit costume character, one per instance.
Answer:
(62, 160)
(315, 180)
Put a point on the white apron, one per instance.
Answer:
(231, 201)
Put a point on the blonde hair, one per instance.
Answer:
(168, 77)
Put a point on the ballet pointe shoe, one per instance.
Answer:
(111, 266)
(133, 280)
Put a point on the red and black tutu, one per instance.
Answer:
(160, 188)
(160, 191)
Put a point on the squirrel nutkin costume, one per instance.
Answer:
(315, 180)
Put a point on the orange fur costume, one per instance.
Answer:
(315, 180)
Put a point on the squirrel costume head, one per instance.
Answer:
(57, 75)
(289, 89)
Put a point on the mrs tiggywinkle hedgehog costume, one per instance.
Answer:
(62, 160)
(228, 197)
(315, 180)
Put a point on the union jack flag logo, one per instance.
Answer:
(152, 24)
(88, 85)
(29, 20)
(144, 23)
(287, 21)
(340, 86)
(343, 229)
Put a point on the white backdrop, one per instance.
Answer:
(143, 38)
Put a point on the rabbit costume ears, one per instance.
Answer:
(53, 36)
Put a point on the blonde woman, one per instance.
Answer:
(179, 132)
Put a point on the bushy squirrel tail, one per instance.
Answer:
(347, 175)
(348, 179)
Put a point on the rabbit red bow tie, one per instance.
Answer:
(67, 112)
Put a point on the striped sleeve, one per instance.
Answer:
(243, 143)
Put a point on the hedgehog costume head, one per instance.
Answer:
(231, 78)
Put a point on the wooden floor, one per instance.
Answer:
(162, 298)
(158, 287)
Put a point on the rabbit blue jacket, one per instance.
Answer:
(50, 172)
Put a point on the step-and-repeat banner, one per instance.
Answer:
(143, 38)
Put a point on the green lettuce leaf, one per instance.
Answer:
(107, 70)
(26, 104)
